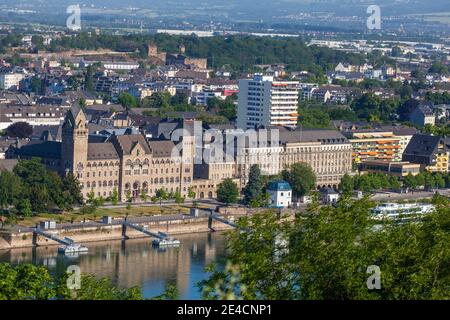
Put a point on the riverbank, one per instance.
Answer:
(97, 231)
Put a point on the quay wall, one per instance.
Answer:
(23, 239)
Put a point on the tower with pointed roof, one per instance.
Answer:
(74, 143)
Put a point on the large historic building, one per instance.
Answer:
(328, 153)
(129, 164)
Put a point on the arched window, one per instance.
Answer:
(93, 184)
(136, 185)
(105, 183)
(202, 195)
(146, 162)
(110, 183)
(88, 184)
(210, 194)
(129, 163)
(161, 180)
(127, 186)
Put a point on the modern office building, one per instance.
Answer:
(264, 101)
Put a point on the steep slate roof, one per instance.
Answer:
(422, 144)
(421, 148)
(101, 151)
(161, 148)
(47, 149)
(279, 186)
(128, 142)
(322, 136)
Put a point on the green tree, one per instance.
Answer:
(439, 180)
(24, 208)
(25, 282)
(394, 184)
(143, 195)
(36, 85)
(410, 181)
(325, 254)
(254, 187)
(127, 100)
(89, 79)
(171, 293)
(161, 194)
(10, 189)
(19, 130)
(191, 193)
(179, 199)
(115, 197)
(301, 177)
(227, 191)
(347, 186)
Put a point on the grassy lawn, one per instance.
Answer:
(76, 216)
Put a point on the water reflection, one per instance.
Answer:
(135, 262)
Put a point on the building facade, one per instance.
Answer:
(328, 153)
(430, 152)
(375, 145)
(262, 101)
(127, 164)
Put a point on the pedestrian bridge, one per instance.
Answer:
(66, 241)
(159, 235)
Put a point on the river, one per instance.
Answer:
(135, 262)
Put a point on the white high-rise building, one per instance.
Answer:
(10, 81)
(263, 102)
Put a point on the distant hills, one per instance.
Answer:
(262, 7)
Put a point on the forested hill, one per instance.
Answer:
(239, 52)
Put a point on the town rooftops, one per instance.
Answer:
(426, 109)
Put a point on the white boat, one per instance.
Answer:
(397, 211)
(73, 248)
(166, 242)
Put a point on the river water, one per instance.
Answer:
(135, 262)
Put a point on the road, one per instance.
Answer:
(393, 196)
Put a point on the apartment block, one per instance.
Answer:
(263, 101)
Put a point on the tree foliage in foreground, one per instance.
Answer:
(325, 254)
(30, 282)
